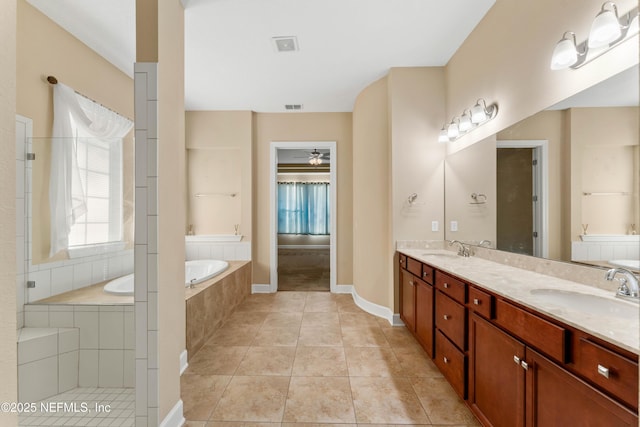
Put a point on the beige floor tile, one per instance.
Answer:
(364, 337)
(358, 320)
(442, 404)
(255, 305)
(195, 424)
(348, 306)
(373, 362)
(294, 305)
(215, 360)
(201, 393)
(319, 337)
(319, 400)
(257, 399)
(282, 320)
(276, 361)
(386, 401)
(234, 335)
(239, 424)
(247, 318)
(400, 337)
(416, 362)
(317, 425)
(277, 336)
(320, 362)
(320, 320)
(321, 306)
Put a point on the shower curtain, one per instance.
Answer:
(303, 208)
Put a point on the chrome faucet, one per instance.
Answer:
(485, 242)
(628, 284)
(462, 249)
(191, 285)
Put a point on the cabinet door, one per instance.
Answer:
(496, 379)
(424, 316)
(408, 309)
(557, 398)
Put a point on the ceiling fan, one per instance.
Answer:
(316, 158)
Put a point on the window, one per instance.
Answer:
(303, 208)
(100, 169)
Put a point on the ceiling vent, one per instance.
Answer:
(293, 107)
(285, 44)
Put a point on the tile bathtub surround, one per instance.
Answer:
(322, 373)
(236, 251)
(211, 303)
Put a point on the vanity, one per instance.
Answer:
(523, 348)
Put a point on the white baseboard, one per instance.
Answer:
(397, 321)
(175, 417)
(304, 246)
(183, 361)
(343, 289)
(260, 289)
(372, 308)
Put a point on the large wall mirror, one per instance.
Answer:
(562, 184)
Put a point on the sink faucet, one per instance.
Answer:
(485, 242)
(628, 284)
(462, 249)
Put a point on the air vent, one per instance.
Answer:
(285, 44)
(293, 107)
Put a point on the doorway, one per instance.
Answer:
(522, 193)
(303, 216)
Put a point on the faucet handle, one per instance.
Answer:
(623, 289)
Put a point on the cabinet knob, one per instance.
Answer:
(525, 365)
(516, 359)
(446, 285)
(603, 371)
(401, 261)
(476, 301)
(410, 282)
(424, 274)
(445, 360)
(446, 317)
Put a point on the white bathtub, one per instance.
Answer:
(194, 272)
(213, 238)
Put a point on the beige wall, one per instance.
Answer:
(372, 268)
(300, 127)
(8, 348)
(79, 67)
(506, 60)
(549, 126)
(172, 202)
(219, 161)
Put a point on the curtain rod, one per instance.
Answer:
(54, 81)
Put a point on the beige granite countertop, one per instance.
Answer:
(516, 284)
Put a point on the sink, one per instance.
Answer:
(594, 304)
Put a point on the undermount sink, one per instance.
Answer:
(441, 254)
(589, 303)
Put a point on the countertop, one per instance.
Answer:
(516, 284)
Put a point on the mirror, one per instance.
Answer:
(562, 184)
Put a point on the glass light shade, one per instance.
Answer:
(443, 136)
(465, 123)
(634, 26)
(315, 161)
(478, 114)
(604, 29)
(564, 55)
(452, 131)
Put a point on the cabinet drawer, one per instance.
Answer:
(452, 363)
(403, 261)
(481, 302)
(539, 333)
(450, 319)
(427, 274)
(451, 286)
(611, 371)
(414, 267)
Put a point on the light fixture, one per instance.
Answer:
(315, 161)
(607, 31)
(470, 119)
(606, 27)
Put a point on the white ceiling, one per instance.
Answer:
(230, 61)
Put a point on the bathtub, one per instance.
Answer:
(194, 272)
(213, 238)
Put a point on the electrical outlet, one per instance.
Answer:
(454, 225)
(434, 225)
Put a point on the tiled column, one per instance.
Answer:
(146, 237)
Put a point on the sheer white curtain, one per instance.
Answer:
(66, 195)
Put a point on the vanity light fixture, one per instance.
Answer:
(607, 31)
(470, 119)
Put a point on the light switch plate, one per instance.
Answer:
(434, 226)
(454, 225)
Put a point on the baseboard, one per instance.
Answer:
(372, 308)
(175, 417)
(183, 361)
(343, 289)
(397, 321)
(304, 246)
(260, 289)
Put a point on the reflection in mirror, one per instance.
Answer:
(566, 180)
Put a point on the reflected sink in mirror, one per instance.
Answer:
(593, 304)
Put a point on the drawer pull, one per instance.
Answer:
(424, 274)
(446, 285)
(476, 301)
(516, 359)
(401, 261)
(446, 317)
(410, 283)
(445, 360)
(603, 371)
(525, 365)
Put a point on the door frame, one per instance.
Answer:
(273, 200)
(540, 187)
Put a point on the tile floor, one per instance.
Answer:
(115, 407)
(303, 269)
(315, 358)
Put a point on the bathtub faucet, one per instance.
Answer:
(191, 282)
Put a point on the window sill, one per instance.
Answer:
(98, 249)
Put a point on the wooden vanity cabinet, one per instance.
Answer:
(408, 299)
(417, 300)
(424, 316)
